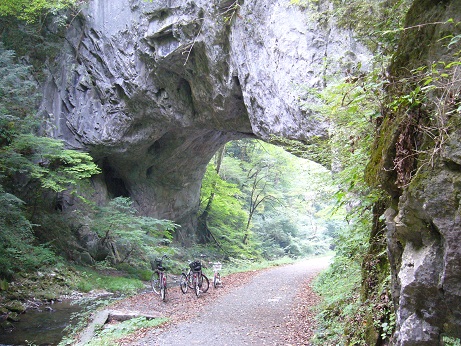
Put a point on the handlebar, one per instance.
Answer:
(162, 258)
(158, 263)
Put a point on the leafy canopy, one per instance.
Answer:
(267, 201)
(31, 10)
(29, 163)
(45, 160)
(39, 159)
(17, 250)
(127, 235)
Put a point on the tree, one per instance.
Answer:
(45, 161)
(17, 249)
(31, 166)
(32, 10)
(259, 184)
(125, 235)
(18, 98)
(267, 200)
(225, 218)
(27, 158)
(203, 232)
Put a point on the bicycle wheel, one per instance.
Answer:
(197, 287)
(190, 282)
(184, 283)
(204, 283)
(163, 288)
(155, 283)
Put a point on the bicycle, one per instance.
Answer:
(217, 266)
(195, 279)
(158, 280)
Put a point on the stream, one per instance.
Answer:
(41, 327)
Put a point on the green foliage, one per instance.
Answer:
(268, 198)
(18, 97)
(226, 216)
(126, 235)
(229, 12)
(334, 319)
(38, 159)
(18, 251)
(427, 104)
(46, 161)
(32, 10)
(451, 341)
(373, 21)
(352, 107)
(90, 279)
(418, 114)
(29, 165)
(353, 104)
(228, 200)
(110, 334)
(346, 317)
(17, 91)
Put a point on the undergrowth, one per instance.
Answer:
(90, 279)
(111, 333)
(339, 286)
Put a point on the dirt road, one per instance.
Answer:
(253, 314)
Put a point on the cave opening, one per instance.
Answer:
(116, 186)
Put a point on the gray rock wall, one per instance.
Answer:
(424, 225)
(153, 89)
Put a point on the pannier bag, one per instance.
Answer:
(196, 266)
(158, 264)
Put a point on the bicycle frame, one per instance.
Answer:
(159, 283)
(195, 280)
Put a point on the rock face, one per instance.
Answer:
(424, 219)
(153, 89)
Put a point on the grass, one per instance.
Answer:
(238, 266)
(112, 333)
(451, 341)
(92, 280)
(338, 286)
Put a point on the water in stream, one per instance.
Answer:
(41, 328)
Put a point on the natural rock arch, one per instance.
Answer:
(152, 90)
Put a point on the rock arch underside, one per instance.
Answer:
(154, 89)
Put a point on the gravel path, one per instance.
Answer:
(255, 313)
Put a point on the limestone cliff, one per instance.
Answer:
(417, 160)
(153, 89)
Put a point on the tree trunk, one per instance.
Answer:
(204, 235)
